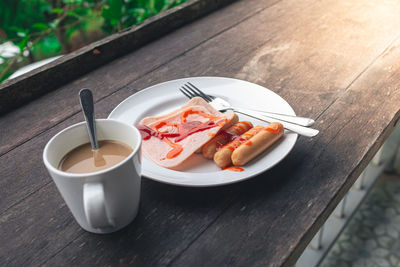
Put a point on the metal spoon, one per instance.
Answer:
(86, 100)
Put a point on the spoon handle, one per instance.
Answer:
(86, 99)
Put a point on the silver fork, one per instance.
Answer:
(223, 105)
(190, 91)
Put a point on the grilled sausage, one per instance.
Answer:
(257, 144)
(223, 137)
(223, 157)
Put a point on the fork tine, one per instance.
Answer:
(192, 92)
(188, 91)
(185, 93)
(203, 95)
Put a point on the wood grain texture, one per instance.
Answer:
(331, 60)
(110, 78)
(63, 104)
(18, 91)
(174, 223)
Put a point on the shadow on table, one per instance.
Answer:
(172, 217)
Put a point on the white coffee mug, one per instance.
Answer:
(103, 201)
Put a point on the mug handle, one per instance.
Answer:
(95, 207)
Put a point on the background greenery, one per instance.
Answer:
(46, 28)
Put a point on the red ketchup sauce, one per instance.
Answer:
(200, 127)
(227, 138)
(176, 149)
(184, 129)
(147, 133)
(274, 129)
(238, 140)
(248, 143)
(233, 168)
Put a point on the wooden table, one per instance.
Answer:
(333, 60)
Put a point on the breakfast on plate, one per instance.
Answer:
(170, 139)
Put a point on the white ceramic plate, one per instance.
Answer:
(198, 171)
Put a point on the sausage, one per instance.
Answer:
(223, 137)
(257, 144)
(223, 157)
(227, 125)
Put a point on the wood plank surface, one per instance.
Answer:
(63, 103)
(336, 61)
(19, 91)
(108, 79)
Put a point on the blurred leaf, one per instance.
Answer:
(140, 13)
(72, 14)
(82, 11)
(48, 46)
(54, 23)
(113, 10)
(17, 29)
(73, 2)
(158, 5)
(28, 23)
(57, 10)
(21, 34)
(22, 44)
(8, 74)
(151, 4)
(40, 26)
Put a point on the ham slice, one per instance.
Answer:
(170, 152)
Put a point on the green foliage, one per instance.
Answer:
(121, 14)
(46, 28)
